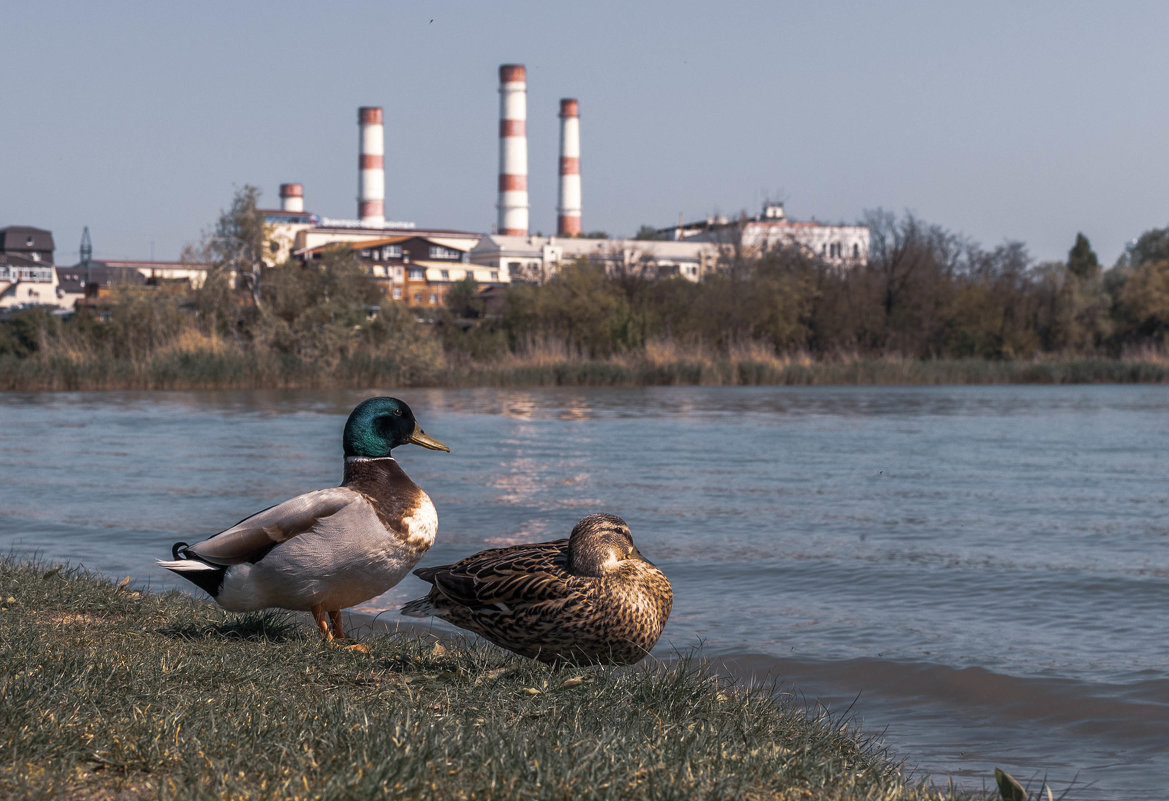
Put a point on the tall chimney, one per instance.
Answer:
(513, 150)
(568, 210)
(371, 176)
(291, 197)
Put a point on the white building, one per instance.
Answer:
(24, 284)
(27, 277)
(537, 258)
(837, 245)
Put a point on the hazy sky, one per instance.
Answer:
(998, 120)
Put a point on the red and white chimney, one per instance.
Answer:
(568, 210)
(371, 176)
(291, 197)
(513, 150)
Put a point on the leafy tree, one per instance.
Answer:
(1082, 261)
(1152, 245)
(314, 308)
(237, 244)
(462, 299)
(1085, 304)
(779, 301)
(647, 232)
(1144, 300)
(579, 304)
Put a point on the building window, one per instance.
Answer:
(433, 299)
(495, 275)
(415, 274)
(417, 297)
(446, 275)
(856, 250)
(397, 293)
(513, 267)
(439, 252)
(392, 251)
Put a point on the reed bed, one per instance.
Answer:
(209, 363)
(108, 692)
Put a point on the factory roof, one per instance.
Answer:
(460, 244)
(580, 246)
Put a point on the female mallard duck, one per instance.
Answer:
(591, 598)
(326, 550)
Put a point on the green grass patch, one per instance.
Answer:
(106, 692)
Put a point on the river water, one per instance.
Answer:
(981, 573)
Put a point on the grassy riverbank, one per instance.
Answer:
(240, 369)
(106, 692)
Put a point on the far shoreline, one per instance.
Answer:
(244, 371)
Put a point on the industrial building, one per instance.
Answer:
(400, 256)
(418, 266)
(838, 245)
(416, 269)
(538, 258)
(409, 264)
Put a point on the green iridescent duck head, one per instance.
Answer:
(378, 425)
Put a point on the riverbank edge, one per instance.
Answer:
(241, 370)
(112, 692)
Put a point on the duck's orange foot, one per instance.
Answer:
(360, 647)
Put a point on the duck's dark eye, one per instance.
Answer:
(397, 412)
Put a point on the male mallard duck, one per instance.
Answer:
(332, 548)
(591, 598)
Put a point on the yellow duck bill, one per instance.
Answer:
(420, 437)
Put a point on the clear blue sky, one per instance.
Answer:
(998, 120)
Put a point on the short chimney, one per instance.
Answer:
(291, 197)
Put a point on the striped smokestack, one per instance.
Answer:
(291, 197)
(568, 210)
(371, 176)
(513, 150)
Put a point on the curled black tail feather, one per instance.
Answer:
(179, 551)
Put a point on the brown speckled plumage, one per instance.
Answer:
(591, 598)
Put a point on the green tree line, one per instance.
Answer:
(926, 294)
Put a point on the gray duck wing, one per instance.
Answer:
(252, 537)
